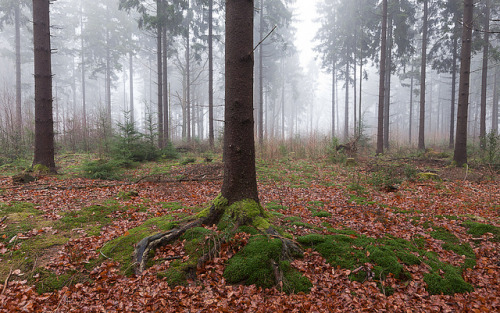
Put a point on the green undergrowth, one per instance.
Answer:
(452, 243)
(48, 281)
(254, 265)
(121, 249)
(477, 229)
(388, 255)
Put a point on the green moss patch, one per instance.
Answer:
(91, 218)
(121, 249)
(388, 255)
(478, 229)
(47, 281)
(254, 265)
(452, 243)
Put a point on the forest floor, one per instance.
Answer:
(53, 228)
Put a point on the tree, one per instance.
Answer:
(423, 70)
(460, 153)
(11, 10)
(383, 56)
(44, 124)
(484, 78)
(239, 148)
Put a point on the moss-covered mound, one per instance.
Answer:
(388, 255)
(258, 263)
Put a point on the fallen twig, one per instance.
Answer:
(6, 281)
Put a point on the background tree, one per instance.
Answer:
(44, 129)
(460, 154)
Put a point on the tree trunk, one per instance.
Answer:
(334, 72)
(165, 86)
(261, 76)
(159, 69)
(453, 87)
(84, 104)
(411, 106)
(460, 154)
(346, 107)
(381, 92)
(421, 126)
(17, 26)
(131, 68)
(44, 123)
(484, 80)
(240, 180)
(210, 76)
(360, 121)
(494, 111)
(387, 97)
(108, 78)
(188, 85)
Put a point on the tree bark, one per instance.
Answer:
(453, 87)
(346, 107)
(381, 92)
(261, 76)
(387, 97)
(159, 69)
(188, 85)
(411, 106)
(210, 76)
(494, 111)
(460, 153)
(84, 104)
(44, 123)
(240, 180)
(131, 68)
(17, 26)
(334, 74)
(165, 87)
(421, 126)
(484, 79)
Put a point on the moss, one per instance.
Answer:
(389, 255)
(175, 276)
(478, 229)
(40, 169)
(441, 233)
(452, 243)
(127, 195)
(322, 214)
(292, 219)
(121, 249)
(48, 281)
(429, 176)
(261, 223)
(253, 265)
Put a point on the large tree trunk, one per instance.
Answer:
(421, 126)
(44, 123)
(381, 92)
(17, 26)
(210, 76)
(460, 154)
(240, 180)
(484, 80)
(453, 87)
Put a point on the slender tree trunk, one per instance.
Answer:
(159, 69)
(240, 180)
(421, 126)
(188, 84)
(210, 76)
(84, 93)
(453, 87)
(484, 80)
(460, 154)
(261, 76)
(44, 123)
(388, 73)
(334, 74)
(346, 107)
(494, 111)
(283, 99)
(131, 68)
(108, 76)
(360, 127)
(381, 92)
(354, 87)
(411, 105)
(165, 86)
(17, 26)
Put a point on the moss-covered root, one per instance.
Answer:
(151, 243)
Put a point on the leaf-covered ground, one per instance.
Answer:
(52, 231)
